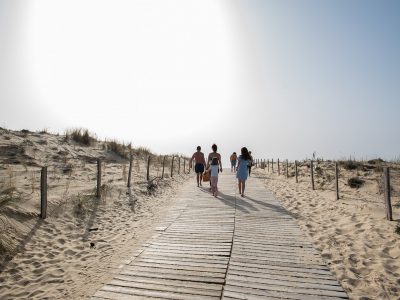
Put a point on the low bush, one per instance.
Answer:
(355, 182)
(351, 165)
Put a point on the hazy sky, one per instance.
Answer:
(284, 78)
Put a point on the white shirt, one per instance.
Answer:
(214, 170)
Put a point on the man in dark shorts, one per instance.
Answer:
(199, 166)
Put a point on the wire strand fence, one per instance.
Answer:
(341, 176)
(58, 181)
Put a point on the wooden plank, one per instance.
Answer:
(236, 295)
(274, 265)
(290, 275)
(182, 263)
(269, 294)
(179, 267)
(163, 281)
(123, 292)
(182, 289)
(257, 282)
(189, 257)
(288, 288)
(215, 278)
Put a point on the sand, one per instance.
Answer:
(77, 248)
(74, 251)
(356, 241)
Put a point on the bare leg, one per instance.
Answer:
(243, 187)
(198, 178)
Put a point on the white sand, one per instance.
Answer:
(55, 259)
(355, 239)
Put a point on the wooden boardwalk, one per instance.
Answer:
(225, 248)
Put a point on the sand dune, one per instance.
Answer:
(355, 239)
(74, 251)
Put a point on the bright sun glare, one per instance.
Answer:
(118, 61)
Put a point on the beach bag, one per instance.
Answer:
(206, 176)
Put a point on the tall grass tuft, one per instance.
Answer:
(118, 148)
(81, 136)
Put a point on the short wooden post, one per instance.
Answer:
(337, 180)
(163, 166)
(184, 166)
(172, 165)
(295, 171)
(279, 168)
(148, 168)
(130, 170)
(388, 202)
(272, 165)
(179, 165)
(268, 165)
(43, 193)
(98, 188)
(312, 175)
(287, 169)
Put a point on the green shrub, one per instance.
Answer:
(376, 161)
(355, 182)
(350, 164)
(397, 230)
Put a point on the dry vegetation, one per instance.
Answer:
(71, 161)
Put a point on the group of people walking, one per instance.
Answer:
(213, 165)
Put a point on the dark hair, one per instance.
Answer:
(234, 152)
(198, 148)
(245, 154)
(214, 147)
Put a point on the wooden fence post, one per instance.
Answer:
(312, 175)
(179, 165)
(388, 202)
(98, 188)
(163, 166)
(272, 165)
(148, 168)
(184, 166)
(268, 165)
(295, 171)
(287, 169)
(43, 193)
(279, 168)
(130, 170)
(337, 180)
(172, 165)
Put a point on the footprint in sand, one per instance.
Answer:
(360, 271)
(69, 252)
(61, 241)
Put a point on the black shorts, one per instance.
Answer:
(199, 168)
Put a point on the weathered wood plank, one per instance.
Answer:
(164, 281)
(257, 282)
(177, 275)
(182, 289)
